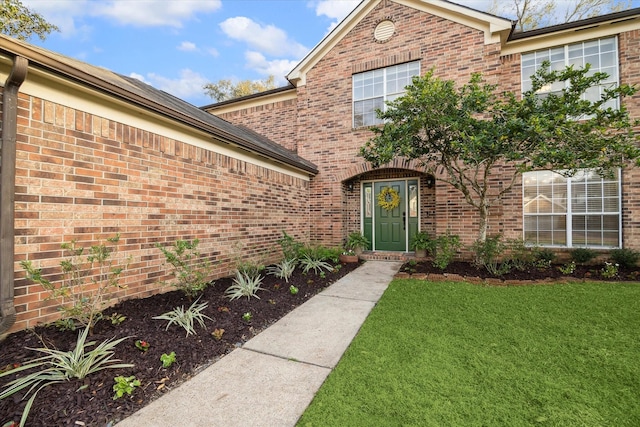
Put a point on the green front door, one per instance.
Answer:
(390, 224)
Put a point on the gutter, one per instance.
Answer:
(7, 191)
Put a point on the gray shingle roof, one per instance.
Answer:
(146, 96)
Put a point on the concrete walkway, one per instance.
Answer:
(271, 380)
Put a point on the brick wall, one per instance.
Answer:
(324, 120)
(84, 177)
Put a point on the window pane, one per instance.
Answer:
(367, 202)
(413, 201)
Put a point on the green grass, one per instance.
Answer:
(454, 354)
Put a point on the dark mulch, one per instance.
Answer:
(93, 405)
(534, 274)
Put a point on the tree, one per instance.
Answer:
(226, 89)
(16, 20)
(531, 14)
(476, 137)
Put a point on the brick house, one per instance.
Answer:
(97, 153)
(325, 113)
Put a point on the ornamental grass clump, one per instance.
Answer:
(283, 270)
(59, 366)
(244, 285)
(308, 263)
(186, 318)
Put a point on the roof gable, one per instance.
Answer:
(495, 29)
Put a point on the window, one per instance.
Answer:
(602, 54)
(579, 211)
(373, 88)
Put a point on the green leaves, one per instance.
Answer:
(16, 20)
(465, 134)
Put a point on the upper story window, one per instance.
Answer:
(602, 54)
(372, 88)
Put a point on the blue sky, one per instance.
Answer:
(180, 45)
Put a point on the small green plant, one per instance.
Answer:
(308, 262)
(244, 286)
(60, 366)
(444, 249)
(88, 284)
(190, 269)
(582, 255)
(625, 257)
(247, 316)
(168, 359)
(141, 345)
(356, 241)
(543, 258)
(421, 241)
(186, 318)
(284, 269)
(116, 318)
(293, 290)
(610, 270)
(569, 268)
(290, 247)
(519, 255)
(124, 385)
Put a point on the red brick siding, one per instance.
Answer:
(324, 121)
(276, 121)
(84, 177)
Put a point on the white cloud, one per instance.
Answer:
(188, 85)
(187, 47)
(150, 13)
(67, 14)
(335, 9)
(268, 39)
(213, 52)
(278, 68)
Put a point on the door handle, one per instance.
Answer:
(404, 221)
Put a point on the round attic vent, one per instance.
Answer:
(384, 30)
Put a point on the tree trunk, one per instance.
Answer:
(483, 210)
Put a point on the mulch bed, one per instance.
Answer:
(466, 271)
(90, 402)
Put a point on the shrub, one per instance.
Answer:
(290, 247)
(59, 366)
(488, 254)
(519, 255)
(625, 258)
(249, 269)
(421, 240)
(444, 249)
(244, 286)
(83, 296)
(283, 270)
(190, 269)
(185, 318)
(543, 258)
(582, 255)
(356, 240)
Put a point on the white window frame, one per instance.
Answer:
(381, 96)
(570, 213)
(554, 54)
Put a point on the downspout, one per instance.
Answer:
(7, 191)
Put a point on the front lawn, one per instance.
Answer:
(456, 354)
